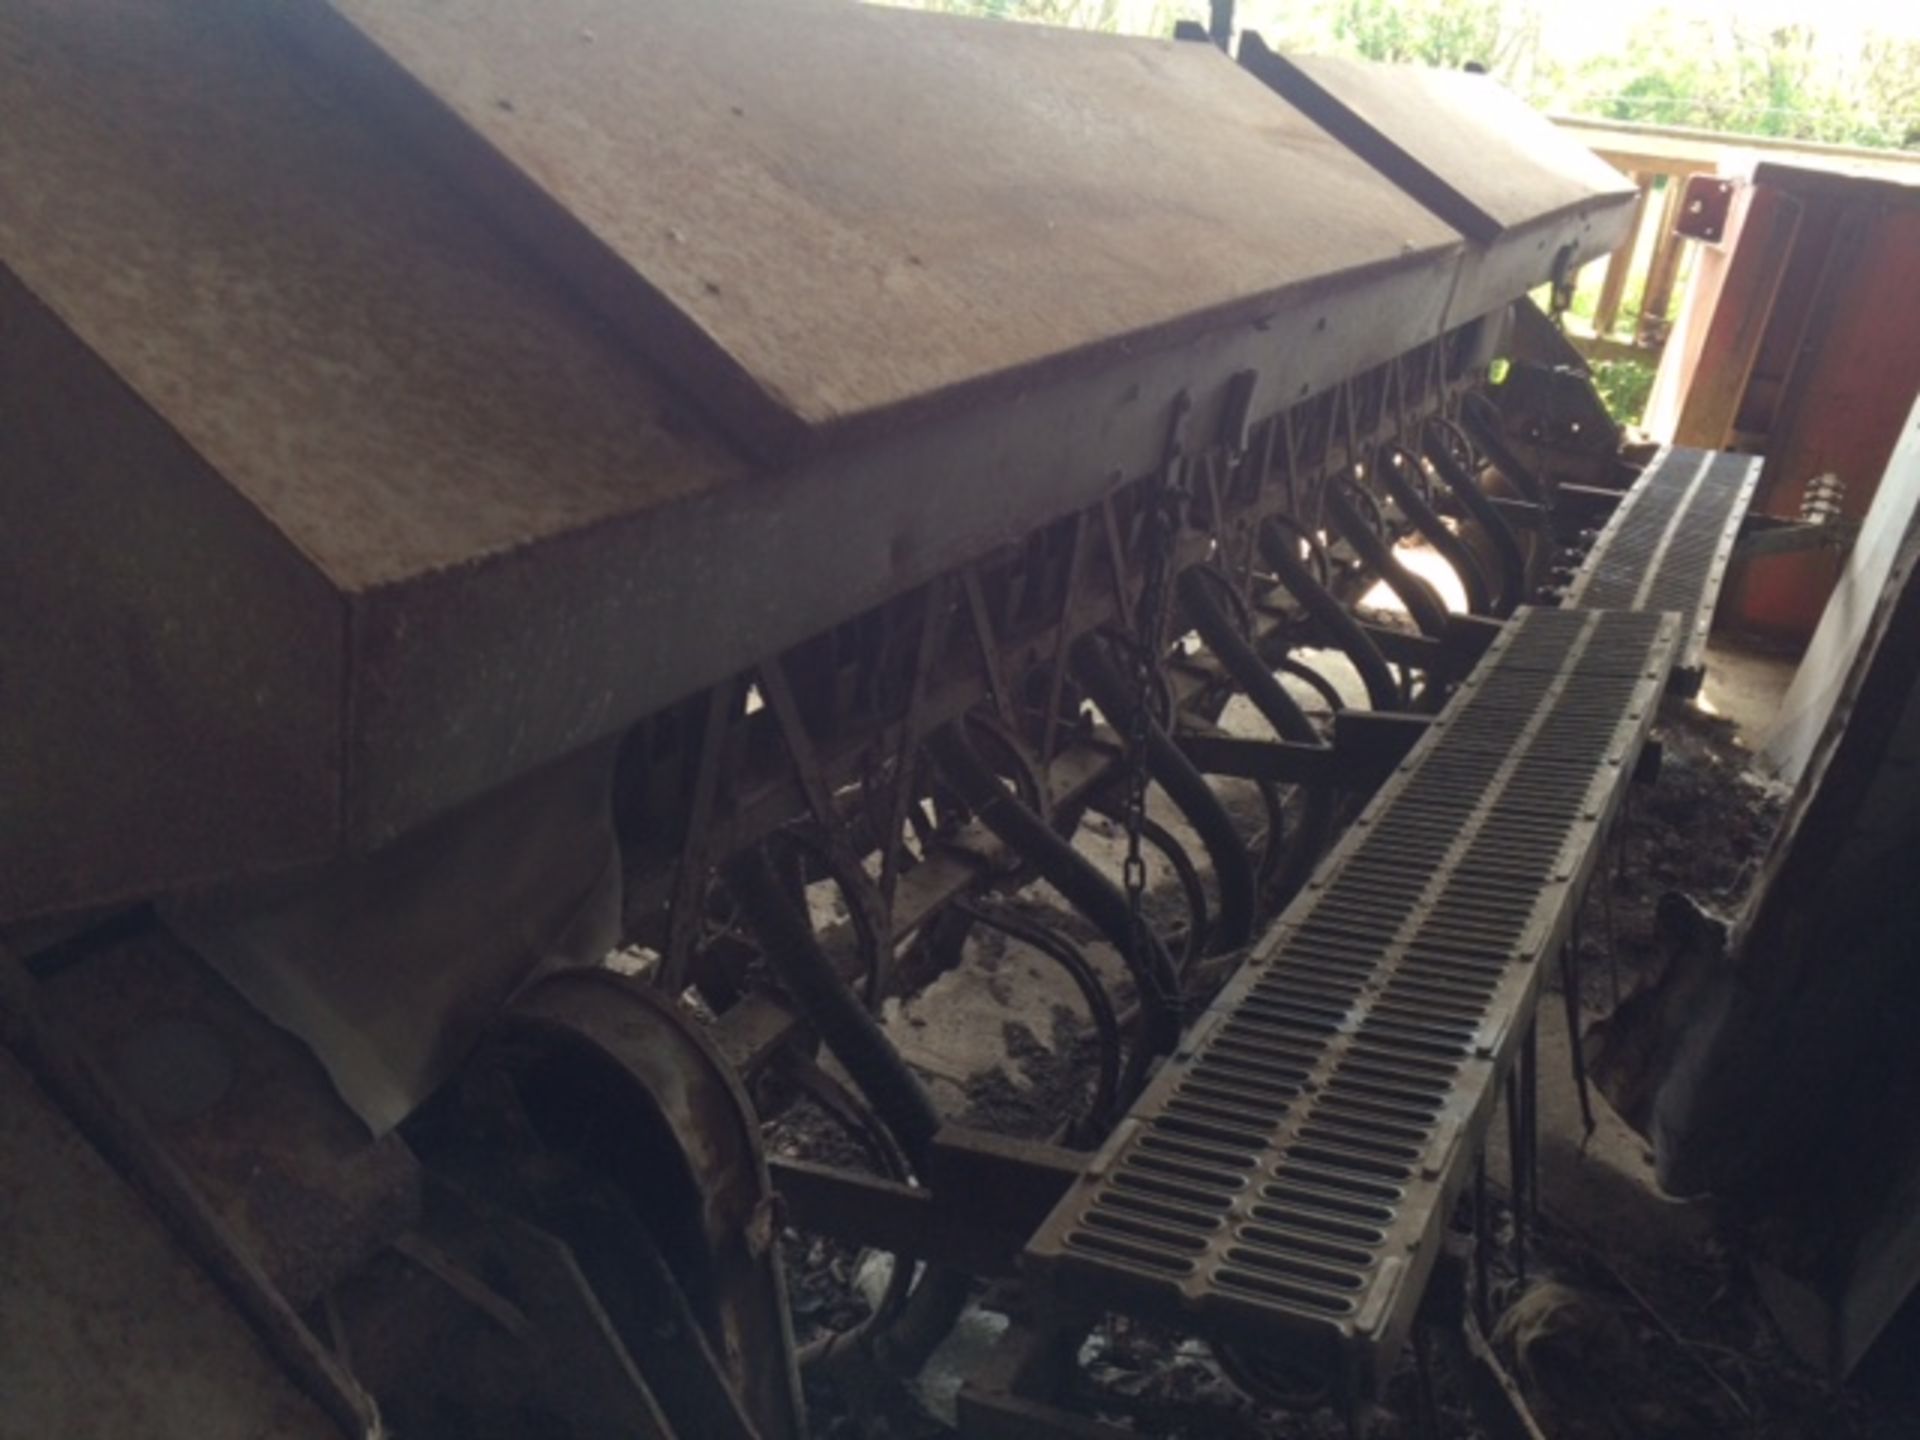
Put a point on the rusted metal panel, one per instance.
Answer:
(245, 1109)
(1475, 155)
(1705, 206)
(604, 626)
(660, 1081)
(1463, 144)
(383, 379)
(820, 215)
(1849, 390)
(172, 666)
(313, 376)
(1798, 341)
(106, 1326)
(441, 529)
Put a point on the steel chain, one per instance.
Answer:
(1165, 503)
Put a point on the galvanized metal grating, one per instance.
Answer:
(1285, 1178)
(1667, 544)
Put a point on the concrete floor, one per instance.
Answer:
(1745, 684)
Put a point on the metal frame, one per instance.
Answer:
(1185, 1213)
(1667, 544)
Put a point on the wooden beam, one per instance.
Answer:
(1657, 299)
(1606, 347)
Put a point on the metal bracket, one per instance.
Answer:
(1236, 410)
(1766, 535)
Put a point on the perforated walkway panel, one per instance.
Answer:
(1285, 1178)
(1667, 544)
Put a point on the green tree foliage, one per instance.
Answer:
(1890, 96)
(1725, 74)
(1756, 81)
(1447, 33)
(1624, 386)
(1147, 17)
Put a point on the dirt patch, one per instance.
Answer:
(1701, 830)
(824, 1291)
(1672, 1348)
(1156, 1382)
(1053, 1084)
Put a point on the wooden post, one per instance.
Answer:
(1620, 265)
(1658, 298)
(1738, 324)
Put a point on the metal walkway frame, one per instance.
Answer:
(1286, 1179)
(1667, 543)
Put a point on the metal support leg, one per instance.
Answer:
(1277, 545)
(1517, 1170)
(1427, 1408)
(1613, 942)
(1530, 1113)
(1482, 1244)
(1576, 1044)
(1620, 828)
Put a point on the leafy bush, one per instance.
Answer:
(1624, 385)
